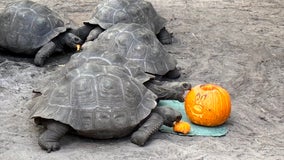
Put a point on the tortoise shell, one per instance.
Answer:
(100, 56)
(110, 12)
(138, 45)
(26, 26)
(100, 101)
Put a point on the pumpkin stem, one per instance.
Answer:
(208, 87)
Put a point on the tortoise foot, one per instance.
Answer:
(49, 139)
(139, 138)
(38, 62)
(48, 146)
(165, 37)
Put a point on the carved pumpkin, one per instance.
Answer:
(208, 105)
(181, 127)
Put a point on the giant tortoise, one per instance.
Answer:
(30, 28)
(139, 46)
(101, 101)
(111, 12)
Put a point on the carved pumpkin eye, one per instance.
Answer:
(208, 105)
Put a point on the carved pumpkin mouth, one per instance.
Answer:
(197, 110)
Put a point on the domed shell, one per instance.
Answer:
(102, 99)
(110, 12)
(138, 45)
(98, 55)
(26, 26)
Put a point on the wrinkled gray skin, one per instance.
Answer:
(103, 101)
(30, 28)
(109, 13)
(139, 46)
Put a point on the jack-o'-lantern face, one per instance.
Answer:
(208, 105)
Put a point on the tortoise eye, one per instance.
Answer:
(77, 40)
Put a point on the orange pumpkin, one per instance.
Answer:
(181, 127)
(208, 105)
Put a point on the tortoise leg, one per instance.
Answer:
(164, 36)
(44, 53)
(168, 90)
(159, 116)
(49, 139)
(94, 33)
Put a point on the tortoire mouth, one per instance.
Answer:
(178, 118)
(78, 47)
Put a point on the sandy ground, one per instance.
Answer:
(236, 44)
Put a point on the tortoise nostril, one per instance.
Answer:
(186, 86)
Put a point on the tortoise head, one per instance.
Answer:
(71, 40)
(169, 115)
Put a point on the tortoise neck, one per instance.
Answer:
(59, 42)
(83, 31)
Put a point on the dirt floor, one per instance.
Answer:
(236, 44)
